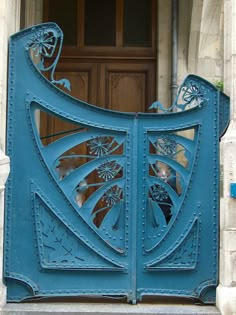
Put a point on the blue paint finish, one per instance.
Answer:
(233, 190)
(150, 180)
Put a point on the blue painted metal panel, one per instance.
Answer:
(150, 180)
(233, 190)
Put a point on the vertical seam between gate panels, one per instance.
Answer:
(134, 211)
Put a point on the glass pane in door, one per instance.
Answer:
(60, 12)
(138, 23)
(100, 23)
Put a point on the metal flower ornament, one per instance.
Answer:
(166, 145)
(112, 195)
(158, 193)
(99, 146)
(191, 95)
(107, 171)
(43, 44)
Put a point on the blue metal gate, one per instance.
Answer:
(123, 204)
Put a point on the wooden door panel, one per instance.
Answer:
(83, 84)
(126, 91)
(82, 77)
(79, 83)
(127, 87)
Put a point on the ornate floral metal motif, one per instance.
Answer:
(99, 146)
(108, 170)
(166, 145)
(42, 44)
(112, 196)
(158, 193)
(191, 95)
(126, 208)
(168, 181)
(100, 173)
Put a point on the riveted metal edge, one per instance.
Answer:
(10, 153)
(178, 244)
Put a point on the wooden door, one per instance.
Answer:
(128, 87)
(109, 52)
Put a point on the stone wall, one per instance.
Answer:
(226, 291)
(205, 46)
(210, 50)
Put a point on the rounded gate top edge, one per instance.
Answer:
(44, 42)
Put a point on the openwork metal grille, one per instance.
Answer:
(118, 205)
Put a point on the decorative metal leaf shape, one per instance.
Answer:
(118, 192)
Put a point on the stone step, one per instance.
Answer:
(106, 309)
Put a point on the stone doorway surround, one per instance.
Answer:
(226, 291)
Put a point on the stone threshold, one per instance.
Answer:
(106, 309)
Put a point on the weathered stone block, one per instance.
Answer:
(229, 240)
(226, 300)
(227, 267)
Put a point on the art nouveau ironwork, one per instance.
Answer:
(122, 205)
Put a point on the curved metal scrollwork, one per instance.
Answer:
(44, 48)
(171, 157)
(109, 203)
(90, 170)
(191, 94)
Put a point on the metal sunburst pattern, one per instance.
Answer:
(166, 145)
(43, 43)
(47, 43)
(108, 170)
(143, 222)
(191, 94)
(112, 195)
(99, 145)
(158, 193)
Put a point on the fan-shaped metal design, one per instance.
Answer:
(120, 204)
